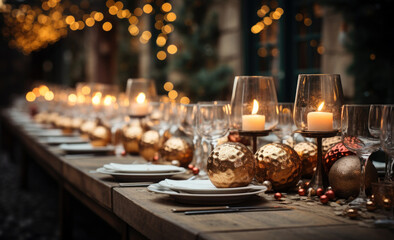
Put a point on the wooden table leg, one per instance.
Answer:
(65, 214)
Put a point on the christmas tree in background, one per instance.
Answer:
(195, 66)
(371, 38)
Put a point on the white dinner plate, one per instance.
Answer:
(50, 133)
(85, 148)
(205, 199)
(142, 168)
(61, 140)
(205, 187)
(121, 176)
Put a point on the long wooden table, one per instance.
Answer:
(137, 213)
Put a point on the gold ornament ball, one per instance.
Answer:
(65, 123)
(149, 144)
(231, 164)
(279, 164)
(131, 136)
(177, 148)
(100, 136)
(308, 155)
(76, 122)
(344, 176)
(328, 143)
(86, 128)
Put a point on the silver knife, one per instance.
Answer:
(238, 209)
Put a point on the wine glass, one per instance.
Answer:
(213, 122)
(284, 129)
(387, 139)
(375, 118)
(357, 138)
(187, 124)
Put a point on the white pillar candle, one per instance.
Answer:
(253, 122)
(320, 121)
(139, 109)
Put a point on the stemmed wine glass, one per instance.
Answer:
(188, 125)
(387, 139)
(285, 128)
(213, 122)
(357, 138)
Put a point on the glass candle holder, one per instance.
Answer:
(317, 114)
(318, 102)
(254, 106)
(254, 103)
(140, 92)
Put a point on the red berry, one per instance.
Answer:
(324, 199)
(190, 166)
(319, 191)
(301, 192)
(195, 170)
(124, 153)
(278, 196)
(330, 194)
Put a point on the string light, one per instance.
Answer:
(30, 97)
(107, 26)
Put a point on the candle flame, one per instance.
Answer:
(141, 97)
(320, 107)
(96, 98)
(255, 106)
(107, 100)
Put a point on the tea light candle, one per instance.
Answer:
(320, 121)
(140, 107)
(253, 122)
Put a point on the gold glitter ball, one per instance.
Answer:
(352, 213)
(177, 148)
(279, 164)
(149, 144)
(308, 155)
(100, 136)
(231, 164)
(131, 136)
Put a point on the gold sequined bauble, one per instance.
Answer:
(86, 128)
(279, 164)
(336, 152)
(76, 122)
(344, 177)
(328, 143)
(308, 155)
(41, 117)
(177, 148)
(231, 164)
(100, 136)
(131, 136)
(65, 123)
(149, 144)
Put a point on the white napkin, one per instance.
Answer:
(188, 184)
(142, 168)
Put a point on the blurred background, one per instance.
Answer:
(194, 48)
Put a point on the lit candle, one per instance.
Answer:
(253, 122)
(320, 121)
(140, 107)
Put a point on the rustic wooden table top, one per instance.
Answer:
(150, 213)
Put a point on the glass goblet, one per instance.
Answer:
(213, 122)
(387, 140)
(285, 127)
(357, 138)
(187, 124)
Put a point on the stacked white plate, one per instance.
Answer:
(140, 172)
(85, 148)
(61, 140)
(204, 192)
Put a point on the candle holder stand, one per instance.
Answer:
(317, 180)
(254, 135)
